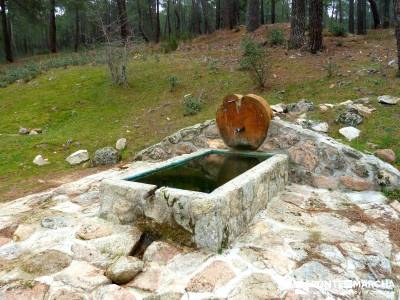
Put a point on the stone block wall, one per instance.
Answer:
(315, 159)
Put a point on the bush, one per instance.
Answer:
(338, 30)
(169, 46)
(173, 82)
(331, 68)
(255, 61)
(276, 37)
(192, 105)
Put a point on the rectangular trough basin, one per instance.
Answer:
(206, 198)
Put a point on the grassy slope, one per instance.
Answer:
(79, 103)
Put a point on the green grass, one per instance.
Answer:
(79, 104)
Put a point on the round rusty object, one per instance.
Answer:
(243, 121)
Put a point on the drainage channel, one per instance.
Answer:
(144, 242)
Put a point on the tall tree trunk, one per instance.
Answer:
(361, 12)
(340, 8)
(396, 4)
(273, 7)
(375, 13)
(262, 15)
(204, 6)
(195, 19)
(140, 22)
(386, 13)
(52, 27)
(123, 20)
(316, 11)
(228, 14)
(297, 24)
(6, 34)
(168, 19)
(158, 27)
(351, 16)
(253, 15)
(177, 18)
(218, 14)
(77, 29)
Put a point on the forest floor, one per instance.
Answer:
(78, 108)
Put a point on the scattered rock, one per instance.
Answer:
(350, 133)
(349, 118)
(392, 63)
(387, 155)
(124, 269)
(46, 262)
(23, 131)
(361, 109)
(106, 156)
(345, 103)
(217, 274)
(78, 157)
(301, 107)
(356, 184)
(33, 132)
(40, 161)
(120, 144)
(386, 99)
(320, 127)
(279, 108)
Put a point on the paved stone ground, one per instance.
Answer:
(309, 243)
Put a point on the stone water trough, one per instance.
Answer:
(206, 198)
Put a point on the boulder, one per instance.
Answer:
(124, 269)
(78, 157)
(350, 133)
(120, 144)
(386, 99)
(106, 156)
(301, 107)
(279, 108)
(320, 127)
(350, 118)
(40, 161)
(387, 155)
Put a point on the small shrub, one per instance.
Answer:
(192, 105)
(331, 68)
(338, 30)
(392, 195)
(173, 82)
(276, 37)
(339, 43)
(169, 46)
(213, 66)
(255, 60)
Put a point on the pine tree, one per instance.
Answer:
(316, 16)
(297, 24)
(253, 15)
(6, 35)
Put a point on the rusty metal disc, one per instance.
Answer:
(243, 121)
